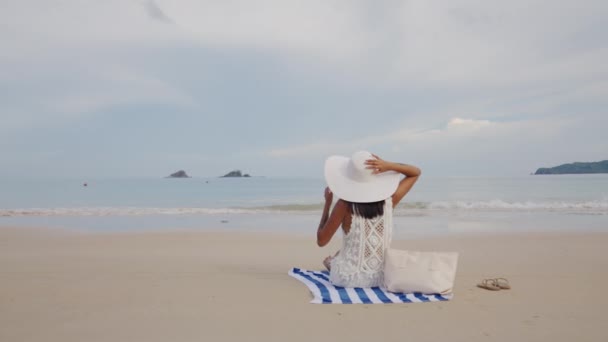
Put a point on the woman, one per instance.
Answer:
(368, 189)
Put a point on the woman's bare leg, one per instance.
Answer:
(327, 261)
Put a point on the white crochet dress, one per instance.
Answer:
(360, 262)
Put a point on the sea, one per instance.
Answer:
(436, 206)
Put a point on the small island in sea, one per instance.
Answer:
(179, 174)
(575, 168)
(235, 173)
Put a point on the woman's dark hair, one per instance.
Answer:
(367, 210)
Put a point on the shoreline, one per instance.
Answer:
(418, 226)
(61, 285)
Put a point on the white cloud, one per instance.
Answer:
(480, 75)
(469, 123)
(420, 42)
(454, 128)
(466, 145)
(86, 95)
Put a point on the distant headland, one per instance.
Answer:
(235, 173)
(179, 174)
(575, 168)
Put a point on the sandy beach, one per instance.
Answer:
(201, 286)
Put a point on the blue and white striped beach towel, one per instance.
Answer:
(326, 293)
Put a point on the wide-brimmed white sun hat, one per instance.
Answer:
(351, 180)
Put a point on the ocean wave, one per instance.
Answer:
(404, 209)
(599, 205)
(124, 211)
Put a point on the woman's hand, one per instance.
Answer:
(377, 164)
(329, 196)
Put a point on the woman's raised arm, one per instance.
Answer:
(410, 172)
(330, 223)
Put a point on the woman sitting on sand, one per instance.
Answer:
(368, 189)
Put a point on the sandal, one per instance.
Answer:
(503, 283)
(489, 284)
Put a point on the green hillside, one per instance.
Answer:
(575, 168)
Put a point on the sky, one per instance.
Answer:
(142, 88)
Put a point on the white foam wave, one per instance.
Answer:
(405, 209)
(597, 205)
(124, 211)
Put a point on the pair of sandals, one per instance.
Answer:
(495, 284)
